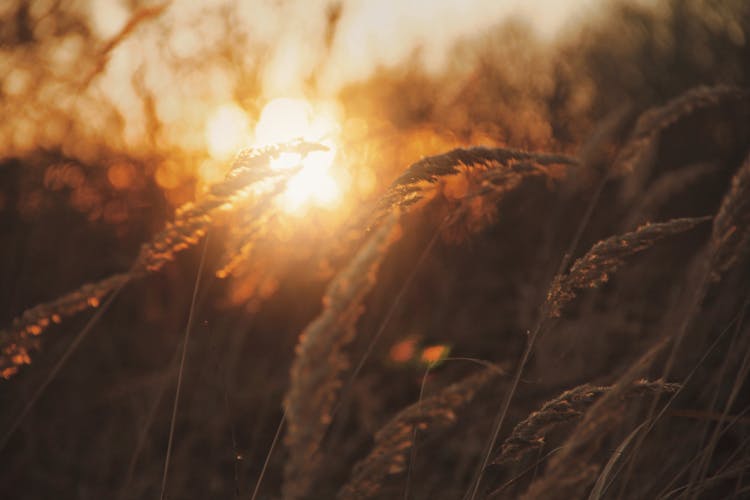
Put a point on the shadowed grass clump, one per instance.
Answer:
(529, 434)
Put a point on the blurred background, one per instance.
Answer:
(115, 113)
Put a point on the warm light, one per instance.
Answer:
(403, 351)
(312, 183)
(227, 131)
(435, 354)
(121, 175)
(283, 120)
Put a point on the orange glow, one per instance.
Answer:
(166, 175)
(403, 351)
(121, 175)
(21, 358)
(285, 119)
(435, 354)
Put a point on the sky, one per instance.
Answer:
(369, 34)
(176, 57)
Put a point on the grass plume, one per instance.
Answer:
(655, 120)
(410, 188)
(189, 225)
(315, 377)
(606, 256)
(731, 229)
(529, 434)
(394, 441)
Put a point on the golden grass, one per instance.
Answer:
(486, 175)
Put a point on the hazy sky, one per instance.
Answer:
(384, 32)
(369, 32)
(174, 55)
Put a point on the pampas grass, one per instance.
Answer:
(316, 372)
(606, 256)
(655, 120)
(529, 434)
(411, 187)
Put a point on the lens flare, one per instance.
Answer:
(287, 119)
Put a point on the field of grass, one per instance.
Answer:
(523, 276)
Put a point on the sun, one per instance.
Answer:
(284, 120)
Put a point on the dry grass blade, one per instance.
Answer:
(394, 441)
(189, 225)
(529, 434)
(409, 188)
(315, 373)
(600, 487)
(606, 256)
(730, 238)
